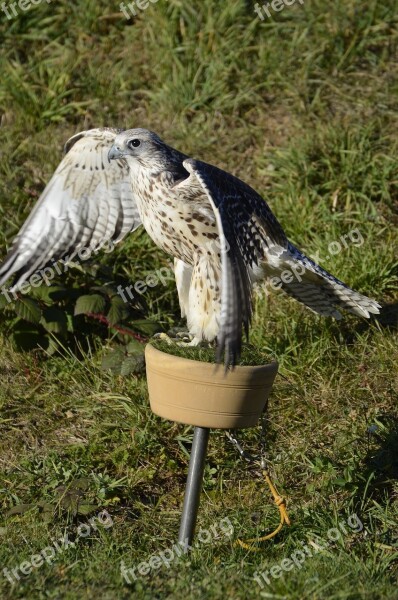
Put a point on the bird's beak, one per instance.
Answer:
(115, 152)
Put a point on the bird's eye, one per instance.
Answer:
(134, 143)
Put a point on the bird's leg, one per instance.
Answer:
(165, 338)
(184, 339)
(194, 341)
(175, 335)
(185, 336)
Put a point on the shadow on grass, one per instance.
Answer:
(383, 460)
(389, 316)
(380, 472)
(387, 319)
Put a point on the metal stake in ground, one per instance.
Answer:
(194, 484)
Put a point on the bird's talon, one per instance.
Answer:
(164, 337)
(185, 336)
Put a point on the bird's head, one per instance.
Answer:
(138, 146)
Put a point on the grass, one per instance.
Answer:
(251, 355)
(303, 106)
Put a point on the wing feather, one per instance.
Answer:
(88, 200)
(247, 230)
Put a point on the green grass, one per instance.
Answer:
(251, 355)
(303, 106)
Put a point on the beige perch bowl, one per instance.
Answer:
(202, 394)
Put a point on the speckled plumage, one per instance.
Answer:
(87, 200)
(180, 220)
(221, 233)
(226, 236)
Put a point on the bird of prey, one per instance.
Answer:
(221, 233)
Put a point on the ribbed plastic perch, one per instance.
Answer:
(200, 394)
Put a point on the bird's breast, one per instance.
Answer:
(176, 224)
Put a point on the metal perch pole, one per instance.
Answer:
(194, 484)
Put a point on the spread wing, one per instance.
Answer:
(87, 202)
(248, 231)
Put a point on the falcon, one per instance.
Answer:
(221, 233)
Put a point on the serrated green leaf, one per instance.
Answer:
(339, 481)
(28, 309)
(3, 301)
(92, 303)
(86, 509)
(135, 346)
(132, 364)
(20, 509)
(146, 326)
(113, 360)
(103, 289)
(45, 293)
(54, 320)
(80, 484)
(118, 311)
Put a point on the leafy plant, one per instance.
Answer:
(84, 307)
